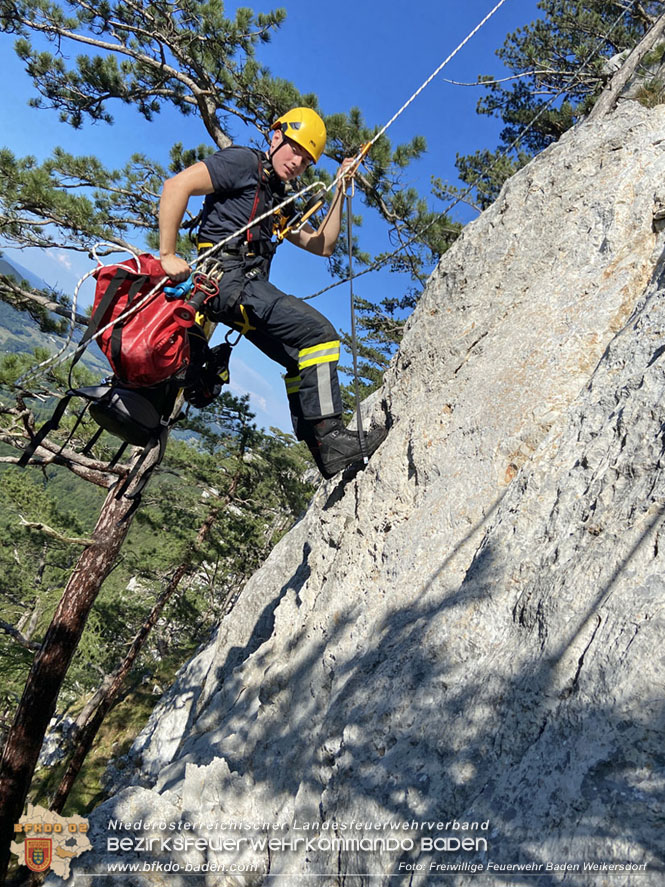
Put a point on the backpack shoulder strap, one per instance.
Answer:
(48, 426)
(259, 205)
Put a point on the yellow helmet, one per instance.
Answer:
(305, 127)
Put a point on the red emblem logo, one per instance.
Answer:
(38, 853)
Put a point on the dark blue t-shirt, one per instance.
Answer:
(235, 175)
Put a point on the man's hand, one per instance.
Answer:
(174, 267)
(347, 180)
(322, 241)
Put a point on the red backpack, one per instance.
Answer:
(151, 355)
(148, 345)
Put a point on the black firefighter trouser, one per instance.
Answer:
(288, 331)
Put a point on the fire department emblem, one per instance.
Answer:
(38, 853)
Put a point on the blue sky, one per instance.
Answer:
(372, 56)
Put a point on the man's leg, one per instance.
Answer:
(302, 340)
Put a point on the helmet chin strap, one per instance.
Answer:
(272, 151)
(271, 169)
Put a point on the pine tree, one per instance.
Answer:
(238, 485)
(187, 55)
(561, 62)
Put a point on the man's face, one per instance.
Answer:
(289, 160)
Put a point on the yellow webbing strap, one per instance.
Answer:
(244, 327)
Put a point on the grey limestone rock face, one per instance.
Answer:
(471, 629)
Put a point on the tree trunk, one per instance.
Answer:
(24, 741)
(610, 96)
(111, 690)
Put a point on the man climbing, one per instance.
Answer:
(240, 184)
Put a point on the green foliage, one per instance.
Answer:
(34, 569)
(381, 180)
(82, 201)
(651, 93)
(561, 61)
(187, 54)
(486, 171)
(655, 57)
(250, 480)
(379, 332)
(227, 492)
(190, 55)
(29, 195)
(15, 333)
(245, 485)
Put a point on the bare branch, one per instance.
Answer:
(608, 99)
(389, 214)
(502, 79)
(54, 534)
(98, 479)
(49, 453)
(13, 632)
(9, 287)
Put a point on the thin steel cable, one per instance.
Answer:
(354, 341)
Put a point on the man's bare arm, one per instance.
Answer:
(321, 241)
(191, 182)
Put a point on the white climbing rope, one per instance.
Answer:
(431, 77)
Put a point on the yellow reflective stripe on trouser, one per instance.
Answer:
(326, 352)
(292, 384)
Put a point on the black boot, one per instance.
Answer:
(334, 447)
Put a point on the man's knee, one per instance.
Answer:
(328, 332)
(316, 327)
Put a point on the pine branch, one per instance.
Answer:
(202, 97)
(18, 296)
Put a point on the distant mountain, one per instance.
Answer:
(21, 272)
(19, 334)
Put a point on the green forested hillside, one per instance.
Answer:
(18, 334)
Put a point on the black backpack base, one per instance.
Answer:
(134, 415)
